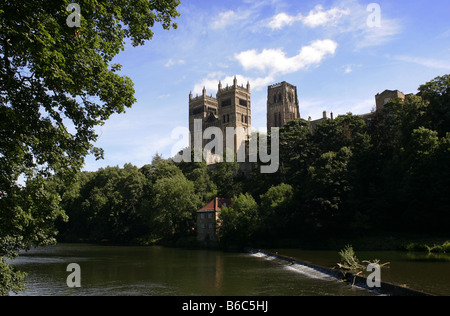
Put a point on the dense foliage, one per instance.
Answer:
(57, 84)
(345, 177)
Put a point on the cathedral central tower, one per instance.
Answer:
(282, 104)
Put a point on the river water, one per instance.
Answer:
(158, 271)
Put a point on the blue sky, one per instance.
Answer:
(325, 48)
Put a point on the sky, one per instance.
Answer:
(339, 54)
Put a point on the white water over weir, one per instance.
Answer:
(296, 267)
(326, 274)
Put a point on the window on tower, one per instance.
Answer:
(198, 110)
(226, 103)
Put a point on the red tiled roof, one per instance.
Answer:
(215, 205)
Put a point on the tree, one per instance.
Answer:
(53, 76)
(344, 131)
(175, 204)
(423, 195)
(437, 93)
(277, 209)
(295, 150)
(226, 178)
(159, 169)
(238, 221)
(328, 186)
(105, 205)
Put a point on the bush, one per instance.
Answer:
(444, 248)
(417, 247)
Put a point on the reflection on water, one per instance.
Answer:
(429, 257)
(158, 271)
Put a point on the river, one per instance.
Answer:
(159, 271)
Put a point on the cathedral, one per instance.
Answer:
(231, 107)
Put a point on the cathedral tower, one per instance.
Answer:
(282, 104)
(230, 108)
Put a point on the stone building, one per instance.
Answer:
(230, 108)
(208, 221)
(282, 104)
(387, 95)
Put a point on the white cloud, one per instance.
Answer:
(211, 82)
(376, 36)
(275, 61)
(316, 17)
(346, 17)
(224, 19)
(172, 62)
(231, 17)
(426, 62)
(270, 62)
(282, 19)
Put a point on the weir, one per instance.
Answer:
(319, 272)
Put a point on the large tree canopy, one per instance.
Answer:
(57, 83)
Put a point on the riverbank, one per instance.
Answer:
(380, 242)
(375, 242)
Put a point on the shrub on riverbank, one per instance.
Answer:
(436, 248)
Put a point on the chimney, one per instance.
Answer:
(324, 114)
(332, 115)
